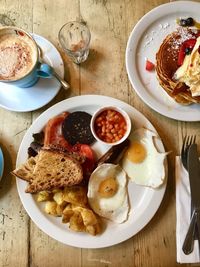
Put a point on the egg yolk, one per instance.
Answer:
(108, 187)
(136, 152)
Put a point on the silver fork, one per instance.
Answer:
(189, 239)
(187, 142)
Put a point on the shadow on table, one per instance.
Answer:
(7, 178)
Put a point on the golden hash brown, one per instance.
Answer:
(71, 204)
(76, 195)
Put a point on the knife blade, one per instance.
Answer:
(194, 178)
(194, 175)
(192, 209)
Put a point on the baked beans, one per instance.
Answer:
(110, 126)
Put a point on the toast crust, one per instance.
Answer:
(25, 171)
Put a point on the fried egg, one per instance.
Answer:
(107, 192)
(142, 162)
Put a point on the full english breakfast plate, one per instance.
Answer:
(130, 212)
(144, 43)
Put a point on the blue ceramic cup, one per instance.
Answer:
(19, 58)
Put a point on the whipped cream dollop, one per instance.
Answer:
(189, 71)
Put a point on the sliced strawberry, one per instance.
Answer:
(190, 43)
(149, 65)
(186, 44)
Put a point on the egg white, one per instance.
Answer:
(151, 171)
(115, 208)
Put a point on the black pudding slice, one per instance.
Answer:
(76, 128)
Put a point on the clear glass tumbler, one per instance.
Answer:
(74, 38)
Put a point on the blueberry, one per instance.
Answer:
(188, 50)
(183, 22)
(190, 21)
(186, 22)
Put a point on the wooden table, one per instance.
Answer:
(21, 242)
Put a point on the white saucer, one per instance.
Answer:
(28, 99)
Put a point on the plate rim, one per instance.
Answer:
(1, 163)
(136, 83)
(58, 108)
(57, 88)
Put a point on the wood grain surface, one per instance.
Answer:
(22, 243)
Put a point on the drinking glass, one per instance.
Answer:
(74, 38)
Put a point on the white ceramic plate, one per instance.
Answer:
(1, 164)
(28, 99)
(144, 201)
(144, 42)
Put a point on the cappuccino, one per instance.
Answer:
(18, 55)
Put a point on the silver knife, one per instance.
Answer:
(194, 178)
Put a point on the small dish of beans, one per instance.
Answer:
(110, 125)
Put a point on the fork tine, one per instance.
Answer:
(184, 146)
(193, 138)
(184, 140)
(187, 141)
(190, 140)
(184, 150)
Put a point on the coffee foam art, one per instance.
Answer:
(17, 55)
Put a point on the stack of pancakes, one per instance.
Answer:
(166, 66)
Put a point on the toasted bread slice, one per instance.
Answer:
(54, 169)
(25, 171)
